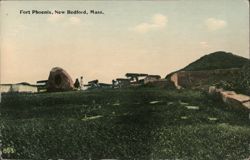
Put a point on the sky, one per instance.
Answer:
(154, 37)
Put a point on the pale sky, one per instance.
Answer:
(154, 37)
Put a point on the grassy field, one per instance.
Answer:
(143, 123)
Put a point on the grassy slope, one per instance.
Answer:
(54, 125)
(216, 60)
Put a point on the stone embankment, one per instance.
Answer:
(231, 98)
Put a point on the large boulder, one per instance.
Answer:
(59, 80)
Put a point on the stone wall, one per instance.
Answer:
(192, 79)
(231, 98)
(174, 79)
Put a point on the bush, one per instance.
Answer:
(240, 83)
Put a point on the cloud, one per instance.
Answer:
(204, 44)
(74, 20)
(158, 21)
(213, 24)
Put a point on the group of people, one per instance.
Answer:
(79, 84)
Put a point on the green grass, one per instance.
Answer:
(144, 123)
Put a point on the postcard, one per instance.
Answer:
(137, 79)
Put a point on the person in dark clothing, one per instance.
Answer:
(77, 84)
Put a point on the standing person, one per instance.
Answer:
(81, 83)
(113, 83)
(77, 84)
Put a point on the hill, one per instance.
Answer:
(216, 60)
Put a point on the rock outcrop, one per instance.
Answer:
(236, 100)
(231, 98)
(59, 80)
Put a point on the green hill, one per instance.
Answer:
(216, 60)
